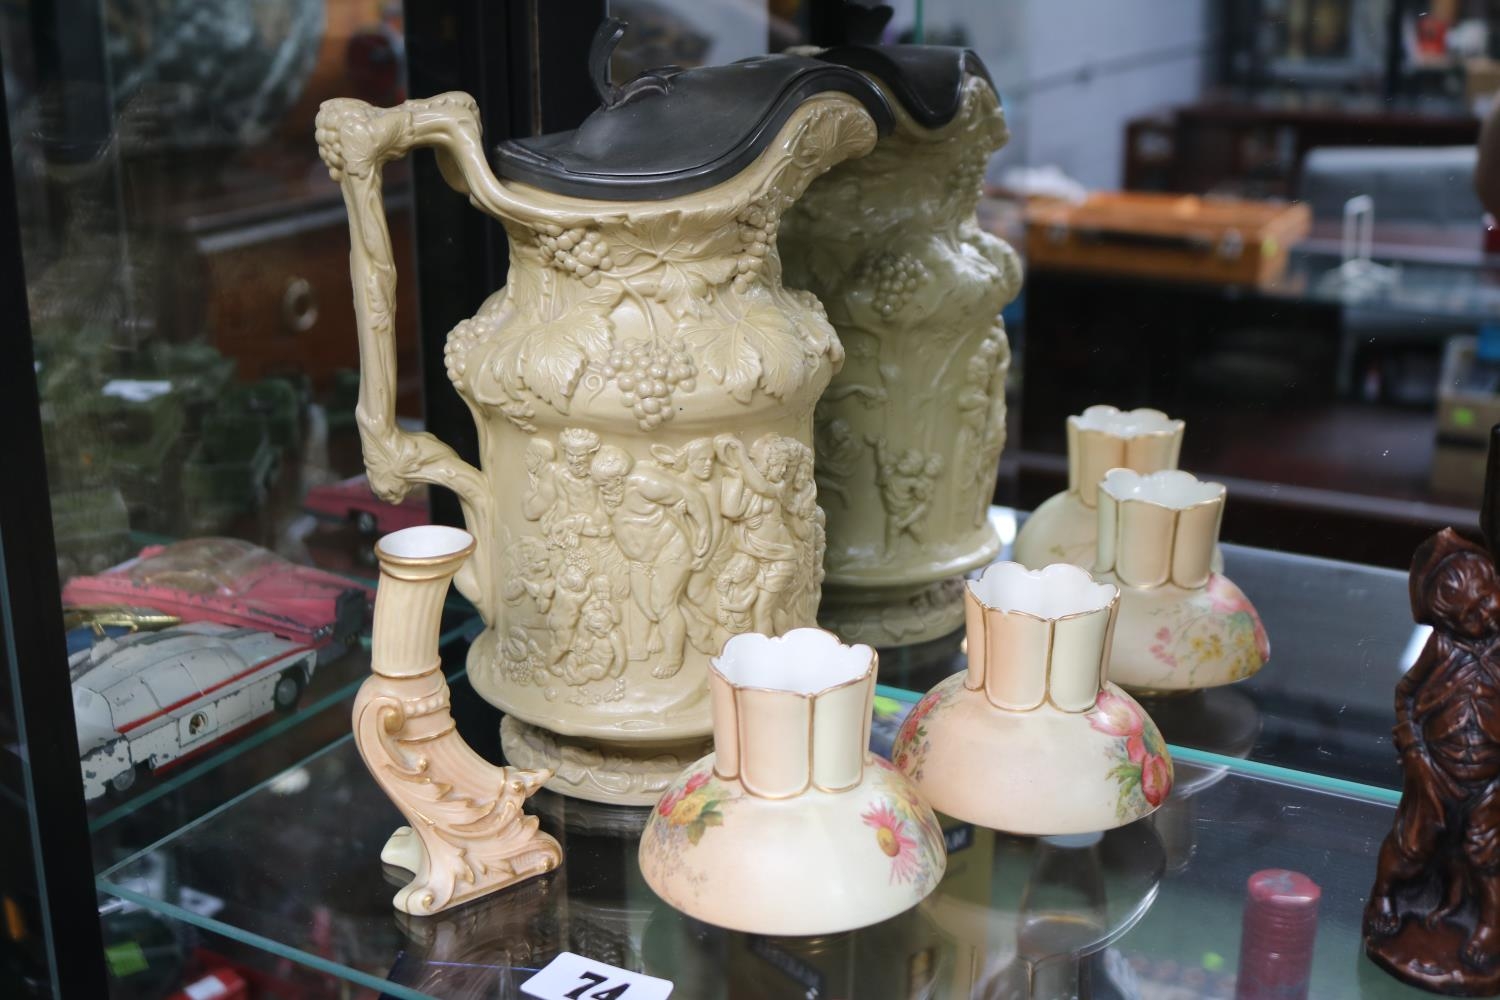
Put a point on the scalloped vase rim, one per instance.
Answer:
(1173, 489)
(803, 661)
(1054, 592)
(1143, 421)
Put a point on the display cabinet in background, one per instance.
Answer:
(186, 530)
(188, 567)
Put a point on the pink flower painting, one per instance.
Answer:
(892, 838)
(909, 750)
(1142, 766)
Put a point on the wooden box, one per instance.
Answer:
(271, 277)
(1175, 237)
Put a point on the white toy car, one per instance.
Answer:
(153, 698)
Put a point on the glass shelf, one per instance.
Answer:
(292, 870)
(1341, 636)
(187, 788)
(274, 853)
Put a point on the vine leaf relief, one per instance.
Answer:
(547, 355)
(741, 341)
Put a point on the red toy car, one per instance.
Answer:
(351, 500)
(231, 581)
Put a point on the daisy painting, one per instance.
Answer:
(893, 837)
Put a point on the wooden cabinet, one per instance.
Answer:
(275, 293)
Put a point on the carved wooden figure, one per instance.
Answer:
(643, 386)
(1433, 917)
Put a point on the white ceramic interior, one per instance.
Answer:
(803, 661)
(1050, 592)
(1170, 488)
(425, 541)
(1125, 423)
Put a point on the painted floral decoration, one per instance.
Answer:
(905, 830)
(1142, 766)
(1230, 601)
(695, 806)
(891, 838)
(1222, 633)
(911, 744)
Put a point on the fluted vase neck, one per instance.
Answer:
(416, 566)
(1039, 637)
(1105, 437)
(792, 712)
(1159, 529)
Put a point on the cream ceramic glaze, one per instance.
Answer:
(791, 826)
(909, 433)
(643, 388)
(1065, 527)
(1183, 625)
(468, 834)
(1032, 739)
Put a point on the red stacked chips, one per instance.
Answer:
(1276, 941)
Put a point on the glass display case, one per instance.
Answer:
(187, 536)
(1292, 770)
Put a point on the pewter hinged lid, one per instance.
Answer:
(928, 80)
(672, 131)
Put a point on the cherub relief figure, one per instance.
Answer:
(981, 407)
(737, 592)
(758, 491)
(905, 483)
(1433, 917)
(529, 574)
(596, 650)
(569, 593)
(662, 528)
(838, 450)
(811, 525)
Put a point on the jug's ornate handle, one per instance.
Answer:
(356, 140)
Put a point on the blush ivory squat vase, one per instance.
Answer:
(1065, 527)
(791, 826)
(1183, 626)
(468, 834)
(1031, 738)
(909, 433)
(643, 388)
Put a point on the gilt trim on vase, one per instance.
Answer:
(1105, 437)
(780, 743)
(1158, 529)
(1023, 660)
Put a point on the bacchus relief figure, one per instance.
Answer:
(662, 527)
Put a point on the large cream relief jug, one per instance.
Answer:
(643, 388)
(909, 433)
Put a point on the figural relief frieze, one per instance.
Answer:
(643, 389)
(638, 561)
(909, 433)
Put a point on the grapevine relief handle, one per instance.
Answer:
(356, 140)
